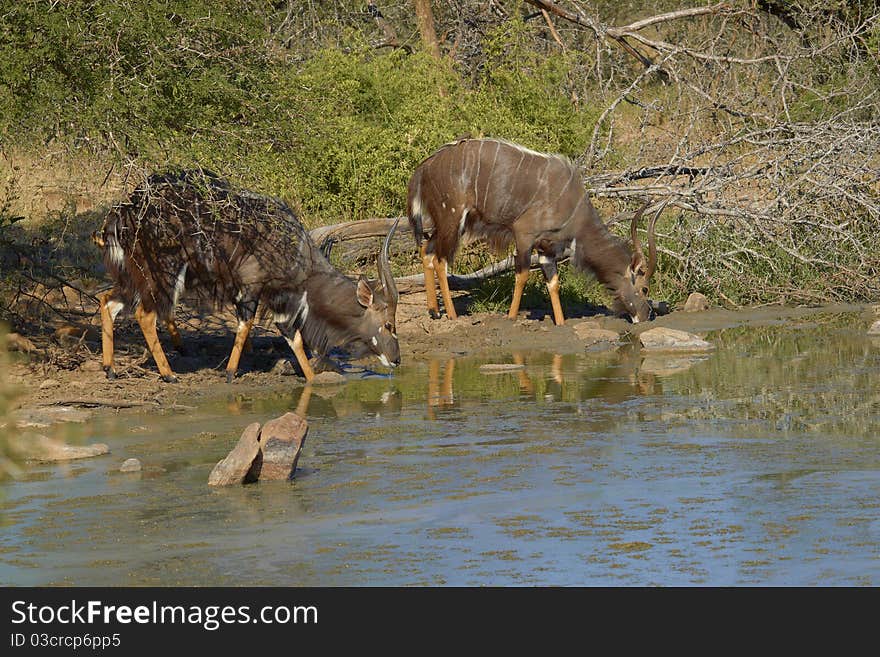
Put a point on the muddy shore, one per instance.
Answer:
(63, 378)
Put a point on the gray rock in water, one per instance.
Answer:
(874, 328)
(281, 442)
(696, 302)
(130, 465)
(666, 339)
(242, 464)
(267, 453)
(43, 448)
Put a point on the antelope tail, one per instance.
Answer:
(415, 214)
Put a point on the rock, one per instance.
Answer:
(49, 383)
(500, 368)
(591, 334)
(43, 417)
(281, 442)
(43, 448)
(696, 302)
(17, 342)
(327, 378)
(666, 339)
(874, 328)
(270, 453)
(130, 465)
(241, 465)
(91, 366)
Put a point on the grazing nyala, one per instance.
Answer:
(506, 194)
(190, 230)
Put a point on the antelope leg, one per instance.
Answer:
(110, 307)
(430, 281)
(444, 289)
(551, 275)
(522, 278)
(147, 320)
(241, 336)
(171, 325)
(553, 288)
(299, 351)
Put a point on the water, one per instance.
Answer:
(756, 464)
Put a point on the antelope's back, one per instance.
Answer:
(191, 225)
(479, 188)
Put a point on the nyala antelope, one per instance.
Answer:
(506, 194)
(190, 230)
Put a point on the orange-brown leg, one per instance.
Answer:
(430, 281)
(147, 321)
(109, 308)
(171, 325)
(551, 275)
(553, 288)
(444, 288)
(299, 351)
(241, 336)
(522, 278)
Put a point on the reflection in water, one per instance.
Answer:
(542, 377)
(440, 396)
(756, 464)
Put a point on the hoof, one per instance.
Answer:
(169, 378)
(434, 314)
(230, 375)
(109, 372)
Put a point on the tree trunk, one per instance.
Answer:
(425, 19)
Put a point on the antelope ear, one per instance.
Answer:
(364, 292)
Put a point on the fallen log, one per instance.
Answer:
(372, 228)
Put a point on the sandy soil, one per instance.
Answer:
(65, 370)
